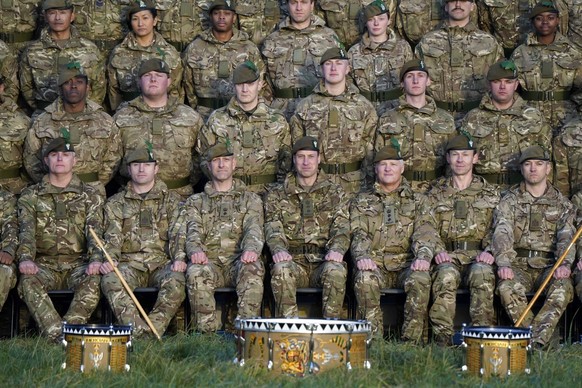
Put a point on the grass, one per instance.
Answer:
(200, 360)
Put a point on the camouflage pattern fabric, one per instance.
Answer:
(18, 22)
(415, 18)
(574, 10)
(9, 242)
(258, 18)
(567, 158)
(180, 21)
(102, 22)
(13, 128)
(8, 66)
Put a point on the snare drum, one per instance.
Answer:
(96, 347)
(496, 351)
(300, 346)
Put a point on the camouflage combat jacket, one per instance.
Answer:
(8, 223)
(13, 128)
(574, 9)
(102, 22)
(258, 18)
(8, 66)
(415, 18)
(18, 22)
(181, 21)
(567, 158)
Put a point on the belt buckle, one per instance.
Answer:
(532, 254)
(548, 95)
(297, 93)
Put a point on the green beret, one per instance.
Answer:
(218, 150)
(334, 53)
(222, 4)
(375, 8)
(58, 144)
(140, 155)
(389, 152)
(140, 5)
(56, 4)
(543, 6)
(503, 69)
(534, 152)
(70, 71)
(153, 64)
(413, 65)
(306, 143)
(461, 142)
(245, 72)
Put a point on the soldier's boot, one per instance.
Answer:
(367, 290)
(85, 300)
(560, 293)
(446, 281)
(171, 294)
(417, 288)
(249, 289)
(284, 286)
(333, 281)
(481, 282)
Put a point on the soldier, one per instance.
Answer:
(211, 58)
(533, 225)
(18, 23)
(550, 70)
(342, 120)
(574, 10)
(221, 235)
(258, 18)
(9, 243)
(421, 128)
(382, 223)
(567, 156)
(454, 233)
(415, 18)
(378, 57)
(93, 132)
(171, 127)
(137, 226)
(140, 44)
(307, 231)
(59, 44)
(458, 56)
(293, 53)
(102, 22)
(57, 250)
(8, 73)
(180, 21)
(504, 126)
(259, 135)
(13, 127)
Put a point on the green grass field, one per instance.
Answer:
(207, 361)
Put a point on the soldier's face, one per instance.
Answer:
(306, 163)
(222, 20)
(389, 172)
(60, 162)
(535, 171)
(462, 161)
(300, 10)
(154, 84)
(248, 92)
(335, 71)
(378, 25)
(59, 20)
(546, 23)
(143, 23)
(222, 168)
(459, 10)
(143, 173)
(75, 90)
(502, 90)
(415, 83)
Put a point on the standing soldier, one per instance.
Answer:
(307, 231)
(221, 235)
(378, 57)
(137, 226)
(421, 128)
(415, 18)
(454, 233)
(574, 9)
(101, 22)
(533, 225)
(382, 223)
(567, 148)
(212, 57)
(343, 122)
(259, 135)
(181, 21)
(56, 250)
(258, 18)
(59, 44)
(293, 53)
(171, 127)
(93, 133)
(8, 73)
(18, 23)
(9, 243)
(504, 126)
(458, 56)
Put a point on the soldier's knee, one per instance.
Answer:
(417, 280)
(481, 273)
(447, 274)
(282, 269)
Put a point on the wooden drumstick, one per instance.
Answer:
(548, 278)
(125, 285)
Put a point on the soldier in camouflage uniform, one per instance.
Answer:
(171, 127)
(211, 58)
(550, 68)
(342, 120)
(140, 44)
(454, 232)
(101, 22)
(458, 56)
(504, 126)
(376, 60)
(59, 44)
(13, 128)
(567, 156)
(415, 18)
(533, 225)
(137, 237)
(574, 11)
(307, 231)
(221, 238)
(293, 53)
(259, 135)
(421, 128)
(8, 73)
(258, 18)
(93, 132)
(181, 21)
(8, 244)
(382, 223)
(18, 22)
(57, 250)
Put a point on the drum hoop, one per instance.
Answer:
(97, 330)
(307, 326)
(496, 333)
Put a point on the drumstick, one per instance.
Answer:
(124, 283)
(548, 278)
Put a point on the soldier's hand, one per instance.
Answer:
(562, 272)
(179, 266)
(485, 257)
(442, 257)
(282, 256)
(366, 265)
(249, 257)
(420, 265)
(105, 268)
(6, 258)
(334, 256)
(93, 268)
(28, 267)
(199, 258)
(505, 273)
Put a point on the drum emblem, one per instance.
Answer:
(293, 356)
(495, 360)
(96, 356)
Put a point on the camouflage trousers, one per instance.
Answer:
(287, 276)
(367, 286)
(7, 281)
(171, 294)
(33, 290)
(479, 278)
(558, 294)
(202, 280)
